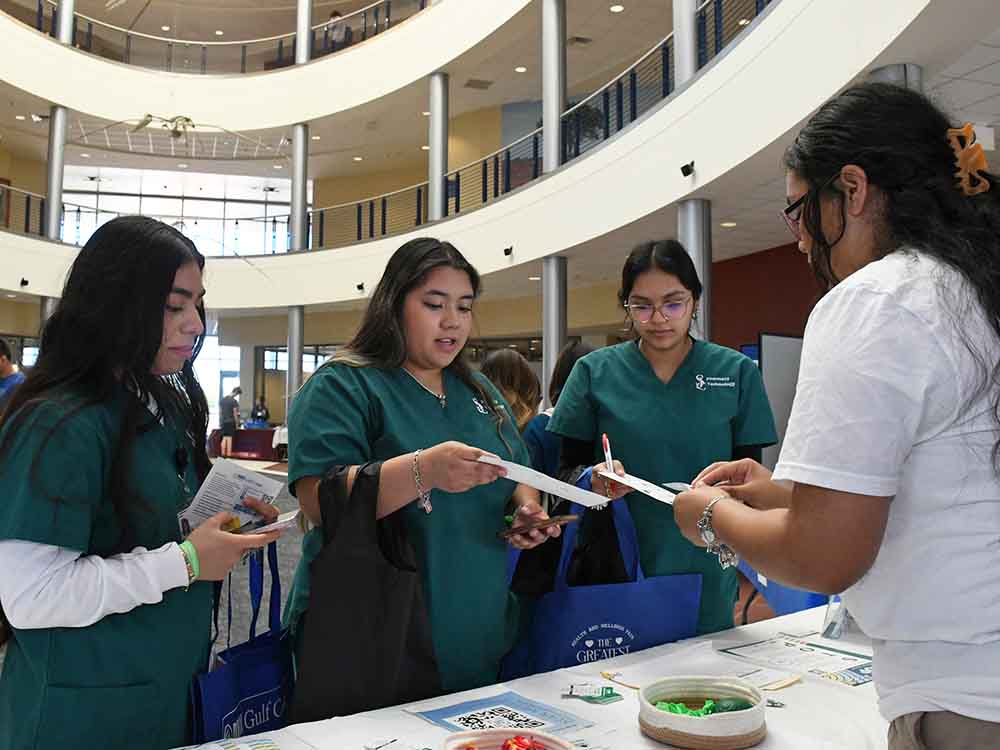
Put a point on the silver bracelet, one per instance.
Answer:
(727, 556)
(424, 497)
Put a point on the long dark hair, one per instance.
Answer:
(899, 138)
(103, 338)
(509, 371)
(564, 366)
(668, 256)
(380, 341)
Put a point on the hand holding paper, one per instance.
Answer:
(525, 475)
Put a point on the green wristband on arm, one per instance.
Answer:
(191, 556)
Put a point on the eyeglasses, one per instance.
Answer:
(792, 213)
(643, 312)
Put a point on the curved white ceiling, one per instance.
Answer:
(419, 46)
(755, 94)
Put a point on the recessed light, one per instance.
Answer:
(164, 28)
(279, 166)
(11, 296)
(84, 156)
(20, 117)
(425, 148)
(728, 224)
(358, 158)
(182, 165)
(520, 69)
(315, 137)
(534, 278)
(616, 8)
(219, 32)
(426, 114)
(36, 118)
(744, 22)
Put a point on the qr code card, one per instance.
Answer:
(504, 711)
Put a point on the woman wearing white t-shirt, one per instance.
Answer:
(889, 468)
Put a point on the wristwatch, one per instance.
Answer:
(727, 557)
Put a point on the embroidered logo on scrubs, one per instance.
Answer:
(602, 641)
(480, 406)
(702, 383)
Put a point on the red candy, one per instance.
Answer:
(522, 743)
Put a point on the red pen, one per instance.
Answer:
(607, 453)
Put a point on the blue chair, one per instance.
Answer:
(784, 600)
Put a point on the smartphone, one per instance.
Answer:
(285, 521)
(545, 523)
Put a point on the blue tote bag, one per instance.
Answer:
(250, 688)
(575, 625)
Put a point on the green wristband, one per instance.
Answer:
(192, 557)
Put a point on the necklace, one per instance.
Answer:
(441, 397)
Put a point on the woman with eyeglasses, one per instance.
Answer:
(668, 403)
(890, 469)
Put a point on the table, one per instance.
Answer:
(248, 444)
(818, 714)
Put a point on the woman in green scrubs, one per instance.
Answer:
(100, 448)
(670, 405)
(400, 393)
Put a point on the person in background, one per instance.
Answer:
(110, 608)
(229, 420)
(888, 483)
(543, 445)
(338, 31)
(509, 371)
(10, 376)
(670, 404)
(260, 412)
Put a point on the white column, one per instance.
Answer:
(56, 161)
(694, 231)
(553, 317)
(298, 221)
(553, 81)
(437, 141)
(685, 41)
(907, 75)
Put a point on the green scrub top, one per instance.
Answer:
(123, 682)
(668, 432)
(351, 415)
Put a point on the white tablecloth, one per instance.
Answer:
(280, 437)
(818, 714)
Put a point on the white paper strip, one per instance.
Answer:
(637, 483)
(545, 483)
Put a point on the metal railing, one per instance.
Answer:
(718, 22)
(212, 56)
(21, 211)
(593, 120)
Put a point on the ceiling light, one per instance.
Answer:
(616, 8)
(20, 117)
(744, 22)
(534, 278)
(279, 166)
(425, 148)
(315, 137)
(218, 32)
(164, 28)
(182, 165)
(11, 296)
(426, 114)
(520, 69)
(85, 156)
(36, 118)
(358, 158)
(728, 224)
